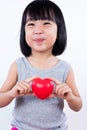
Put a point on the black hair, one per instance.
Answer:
(41, 10)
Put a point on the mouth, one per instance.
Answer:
(39, 40)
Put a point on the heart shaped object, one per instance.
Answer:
(42, 87)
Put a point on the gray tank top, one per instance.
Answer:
(31, 113)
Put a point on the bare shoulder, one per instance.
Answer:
(70, 81)
(11, 78)
(70, 76)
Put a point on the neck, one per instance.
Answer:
(41, 56)
(42, 61)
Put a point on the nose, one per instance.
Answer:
(38, 30)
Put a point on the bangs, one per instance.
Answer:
(40, 11)
(44, 10)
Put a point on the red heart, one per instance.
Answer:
(42, 87)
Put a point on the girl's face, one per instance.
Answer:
(40, 35)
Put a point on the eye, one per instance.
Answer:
(46, 23)
(30, 24)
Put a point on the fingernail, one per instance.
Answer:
(30, 83)
(54, 85)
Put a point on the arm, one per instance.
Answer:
(69, 92)
(12, 89)
(5, 97)
(74, 102)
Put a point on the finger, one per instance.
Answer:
(30, 79)
(55, 80)
(23, 87)
(66, 91)
(28, 86)
(63, 91)
(59, 89)
(56, 84)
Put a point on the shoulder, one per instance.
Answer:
(65, 66)
(65, 63)
(13, 71)
(68, 71)
(21, 61)
(11, 78)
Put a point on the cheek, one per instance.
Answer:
(27, 35)
(53, 37)
(54, 34)
(27, 38)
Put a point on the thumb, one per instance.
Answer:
(28, 80)
(57, 82)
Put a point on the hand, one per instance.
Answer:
(21, 88)
(62, 90)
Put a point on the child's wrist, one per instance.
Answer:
(70, 99)
(10, 94)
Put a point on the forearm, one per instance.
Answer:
(5, 99)
(75, 103)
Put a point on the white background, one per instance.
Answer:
(75, 13)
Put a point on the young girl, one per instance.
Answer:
(43, 37)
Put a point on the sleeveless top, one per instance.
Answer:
(32, 113)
